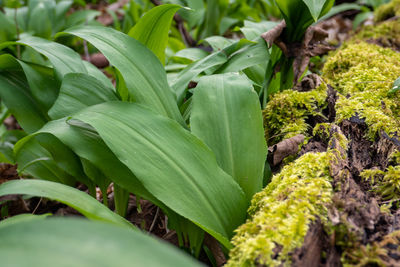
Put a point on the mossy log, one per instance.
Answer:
(336, 203)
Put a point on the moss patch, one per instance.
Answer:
(286, 113)
(363, 74)
(383, 253)
(280, 215)
(385, 183)
(386, 34)
(283, 211)
(387, 11)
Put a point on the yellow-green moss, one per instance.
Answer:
(369, 255)
(387, 33)
(282, 212)
(286, 113)
(387, 11)
(322, 130)
(394, 158)
(375, 254)
(385, 183)
(363, 74)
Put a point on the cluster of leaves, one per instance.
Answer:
(80, 128)
(197, 154)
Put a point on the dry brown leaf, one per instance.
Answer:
(272, 35)
(285, 148)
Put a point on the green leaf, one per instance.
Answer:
(211, 18)
(247, 57)
(63, 156)
(59, 18)
(43, 86)
(64, 59)
(70, 196)
(226, 115)
(40, 17)
(315, 7)
(300, 14)
(98, 74)
(25, 217)
(175, 166)
(341, 8)
(7, 28)
(188, 55)
(211, 62)
(218, 42)
(38, 162)
(80, 17)
(152, 29)
(395, 87)
(180, 83)
(134, 61)
(87, 144)
(253, 30)
(17, 97)
(66, 242)
(77, 92)
(8, 139)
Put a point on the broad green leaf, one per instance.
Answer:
(25, 217)
(35, 91)
(211, 62)
(180, 83)
(152, 29)
(297, 17)
(87, 144)
(40, 17)
(39, 163)
(340, 8)
(226, 23)
(63, 156)
(246, 57)
(143, 73)
(188, 55)
(59, 17)
(16, 96)
(300, 14)
(211, 19)
(316, 7)
(80, 17)
(43, 86)
(395, 86)
(66, 242)
(195, 15)
(7, 28)
(70, 196)
(174, 165)
(96, 73)
(8, 139)
(78, 91)
(63, 58)
(253, 30)
(30, 113)
(218, 42)
(21, 14)
(226, 115)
